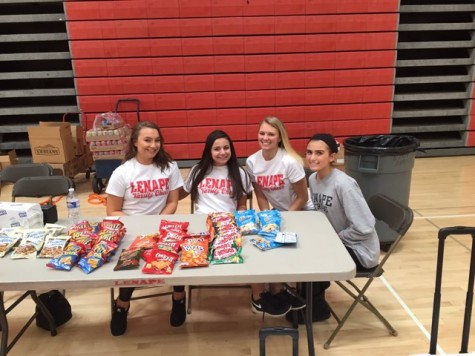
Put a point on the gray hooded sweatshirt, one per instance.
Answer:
(339, 197)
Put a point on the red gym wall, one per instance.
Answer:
(198, 65)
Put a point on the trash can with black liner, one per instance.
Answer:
(382, 164)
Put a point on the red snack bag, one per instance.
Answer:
(159, 261)
(112, 225)
(167, 225)
(80, 227)
(173, 246)
(144, 242)
(171, 235)
(194, 254)
(111, 230)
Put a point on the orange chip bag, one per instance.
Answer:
(159, 261)
(144, 242)
(194, 254)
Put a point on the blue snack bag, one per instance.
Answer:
(269, 221)
(247, 222)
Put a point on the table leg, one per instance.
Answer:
(4, 327)
(308, 319)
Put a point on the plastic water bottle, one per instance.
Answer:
(72, 202)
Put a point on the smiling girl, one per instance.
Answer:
(147, 183)
(278, 178)
(217, 183)
(339, 197)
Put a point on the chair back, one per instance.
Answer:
(395, 215)
(41, 186)
(14, 172)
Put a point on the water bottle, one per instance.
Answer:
(72, 202)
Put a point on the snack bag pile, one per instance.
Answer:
(90, 245)
(31, 243)
(269, 222)
(159, 250)
(161, 258)
(130, 257)
(226, 239)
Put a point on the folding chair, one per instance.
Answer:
(42, 186)
(191, 287)
(398, 218)
(11, 174)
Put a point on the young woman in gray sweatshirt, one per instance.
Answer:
(339, 197)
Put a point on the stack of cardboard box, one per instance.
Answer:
(60, 145)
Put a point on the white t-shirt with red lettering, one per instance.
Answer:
(275, 178)
(215, 191)
(145, 188)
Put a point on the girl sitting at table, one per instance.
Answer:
(339, 197)
(146, 160)
(218, 167)
(278, 178)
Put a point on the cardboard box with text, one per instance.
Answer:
(51, 142)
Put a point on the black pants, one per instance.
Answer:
(125, 294)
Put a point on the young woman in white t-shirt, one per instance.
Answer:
(217, 183)
(147, 183)
(279, 182)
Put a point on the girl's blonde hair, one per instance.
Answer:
(284, 137)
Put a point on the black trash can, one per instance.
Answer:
(382, 164)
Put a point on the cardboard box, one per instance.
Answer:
(74, 130)
(51, 142)
(8, 159)
(73, 167)
(68, 169)
(78, 138)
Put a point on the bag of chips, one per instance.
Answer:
(159, 261)
(30, 244)
(128, 259)
(194, 254)
(69, 258)
(144, 242)
(269, 221)
(247, 222)
(97, 256)
(54, 246)
(167, 225)
(6, 243)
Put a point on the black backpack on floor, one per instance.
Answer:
(58, 306)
